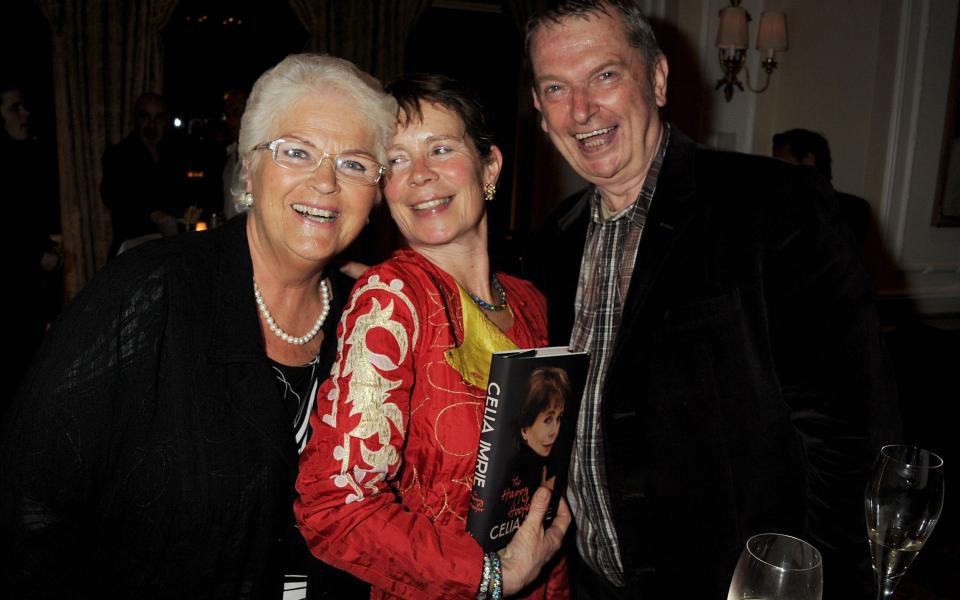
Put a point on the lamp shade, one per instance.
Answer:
(772, 36)
(732, 33)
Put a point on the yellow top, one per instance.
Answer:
(481, 338)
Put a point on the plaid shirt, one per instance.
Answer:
(608, 258)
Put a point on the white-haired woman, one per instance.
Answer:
(153, 447)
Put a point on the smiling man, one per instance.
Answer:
(737, 381)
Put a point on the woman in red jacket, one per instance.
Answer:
(386, 479)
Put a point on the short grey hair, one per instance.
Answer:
(639, 33)
(299, 76)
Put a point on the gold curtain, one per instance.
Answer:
(105, 54)
(370, 33)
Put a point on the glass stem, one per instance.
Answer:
(886, 587)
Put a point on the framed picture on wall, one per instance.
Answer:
(946, 204)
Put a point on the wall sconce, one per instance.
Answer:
(733, 41)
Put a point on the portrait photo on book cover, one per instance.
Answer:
(533, 399)
(538, 426)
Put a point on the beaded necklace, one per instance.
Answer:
(283, 335)
(498, 290)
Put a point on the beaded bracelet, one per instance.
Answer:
(485, 579)
(496, 576)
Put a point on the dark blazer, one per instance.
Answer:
(148, 454)
(748, 389)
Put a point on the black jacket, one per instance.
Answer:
(748, 389)
(148, 453)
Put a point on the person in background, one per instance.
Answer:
(738, 382)
(32, 215)
(144, 176)
(152, 450)
(385, 482)
(234, 102)
(804, 147)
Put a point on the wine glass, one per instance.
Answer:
(903, 500)
(774, 565)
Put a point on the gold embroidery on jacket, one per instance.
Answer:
(368, 390)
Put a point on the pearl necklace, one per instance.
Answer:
(283, 335)
(498, 290)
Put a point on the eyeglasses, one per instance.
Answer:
(304, 158)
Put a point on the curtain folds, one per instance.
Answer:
(370, 33)
(105, 54)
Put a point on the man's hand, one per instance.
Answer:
(532, 546)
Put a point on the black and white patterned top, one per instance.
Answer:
(298, 385)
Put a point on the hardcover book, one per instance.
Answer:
(526, 437)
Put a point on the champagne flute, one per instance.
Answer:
(774, 565)
(903, 500)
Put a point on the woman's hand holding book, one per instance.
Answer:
(532, 545)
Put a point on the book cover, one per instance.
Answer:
(526, 437)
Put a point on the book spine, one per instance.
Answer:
(494, 453)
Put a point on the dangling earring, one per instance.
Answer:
(489, 191)
(247, 200)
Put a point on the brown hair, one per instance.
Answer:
(412, 91)
(544, 387)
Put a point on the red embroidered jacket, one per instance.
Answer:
(385, 480)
